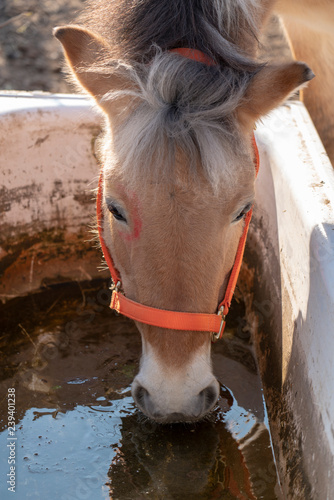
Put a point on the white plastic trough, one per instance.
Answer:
(47, 174)
(47, 177)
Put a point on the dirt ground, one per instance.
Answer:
(31, 58)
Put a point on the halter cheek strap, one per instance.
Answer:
(174, 320)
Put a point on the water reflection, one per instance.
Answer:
(81, 437)
(204, 461)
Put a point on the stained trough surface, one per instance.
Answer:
(78, 435)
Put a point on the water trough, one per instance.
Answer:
(48, 171)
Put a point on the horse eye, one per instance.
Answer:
(243, 213)
(115, 211)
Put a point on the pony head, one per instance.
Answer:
(178, 168)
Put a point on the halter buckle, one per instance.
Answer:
(115, 287)
(216, 335)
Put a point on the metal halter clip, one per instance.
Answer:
(216, 335)
(115, 288)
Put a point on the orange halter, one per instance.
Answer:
(174, 320)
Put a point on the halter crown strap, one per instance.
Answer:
(195, 55)
(214, 323)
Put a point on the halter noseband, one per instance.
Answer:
(174, 320)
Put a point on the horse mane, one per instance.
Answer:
(222, 29)
(178, 104)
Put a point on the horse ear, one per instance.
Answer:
(270, 87)
(84, 51)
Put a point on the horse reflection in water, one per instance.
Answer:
(177, 166)
(229, 458)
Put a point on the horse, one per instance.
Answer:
(180, 90)
(310, 28)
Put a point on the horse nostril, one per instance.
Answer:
(140, 394)
(209, 396)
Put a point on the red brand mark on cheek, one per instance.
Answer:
(137, 225)
(135, 219)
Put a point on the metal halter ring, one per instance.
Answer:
(216, 335)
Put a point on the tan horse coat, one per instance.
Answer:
(179, 176)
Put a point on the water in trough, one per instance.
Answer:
(78, 434)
